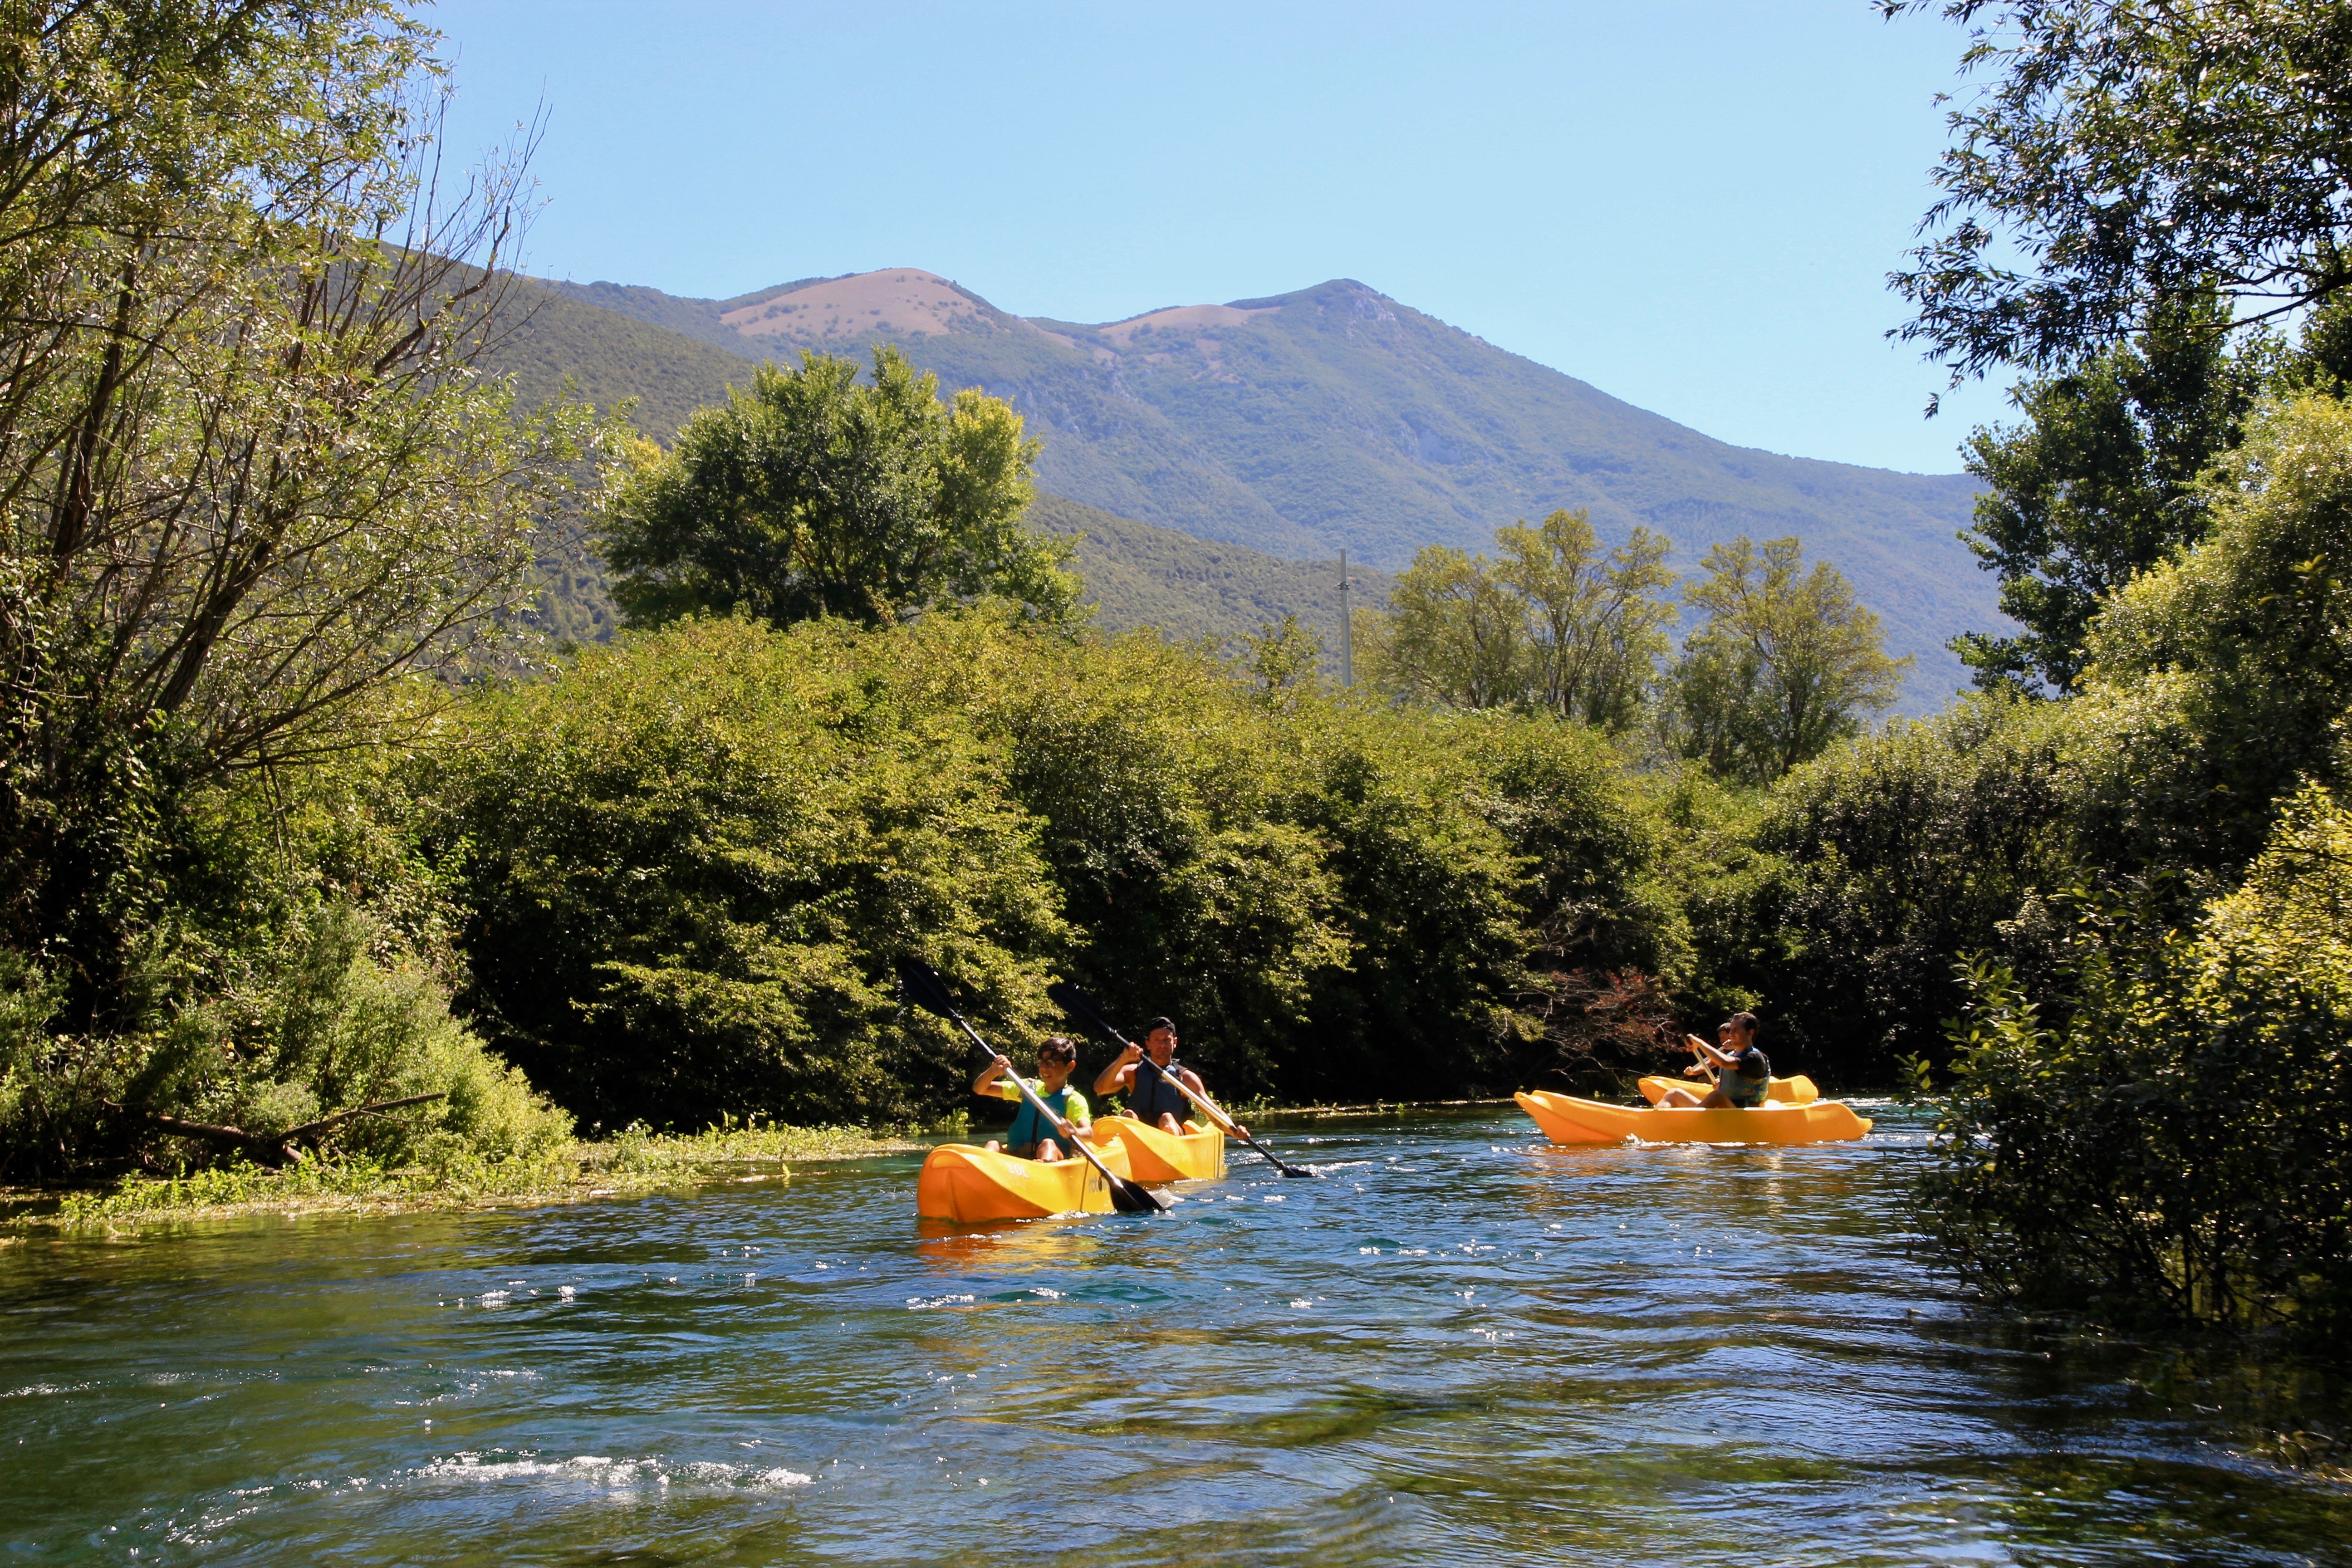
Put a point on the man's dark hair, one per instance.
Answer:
(1745, 1023)
(1157, 1024)
(1059, 1048)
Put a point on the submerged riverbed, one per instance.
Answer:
(1462, 1345)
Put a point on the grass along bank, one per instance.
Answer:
(634, 1161)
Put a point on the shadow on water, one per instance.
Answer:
(1462, 1345)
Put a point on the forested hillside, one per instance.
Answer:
(1335, 417)
(1136, 574)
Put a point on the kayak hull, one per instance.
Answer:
(1157, 1156)
(1797, 1090)
(1567, 1120)
(964, 1182)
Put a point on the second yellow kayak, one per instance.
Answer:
(1567, 1120)
(1797, 1090)
(1155, 1156)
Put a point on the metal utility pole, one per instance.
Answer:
(1346, 628)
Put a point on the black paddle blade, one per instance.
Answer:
(1128, 1198)
(921, 985)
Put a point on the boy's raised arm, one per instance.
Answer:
(997, 1067)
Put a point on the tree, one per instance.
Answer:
(2097, 484)
(1786, 665)
(1553, 626)
(1596, 630)
(1456, 635)
(2133, 155)
(814, 495)
(247, 474)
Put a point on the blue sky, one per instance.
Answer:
(1692, 206)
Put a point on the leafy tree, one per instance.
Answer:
(1597, 627)
(2220, 679)
(1553, 626)
(2097, 484)
(1787, 664)
(1455, 634)
(248, 476)
(1281, 660)
(813, 494)
(2134, 155)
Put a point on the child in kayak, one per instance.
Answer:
(1742, 1073)
(1032, 1137)
(1145, 1076)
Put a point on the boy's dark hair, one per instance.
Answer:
(1156, 1025)
(1744, 1022)
(1059, 1048)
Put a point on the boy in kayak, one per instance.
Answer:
(1032, 1137)
(1144, 1077)
(1742, 1073)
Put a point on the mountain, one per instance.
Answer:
(1136, 574)
(1334, 417)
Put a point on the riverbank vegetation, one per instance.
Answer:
(319, 876)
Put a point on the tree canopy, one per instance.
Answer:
(1787, 664)
(815, 494)
(2124, 156)
(2096, 483)
(1554, 626)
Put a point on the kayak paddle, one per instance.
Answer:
(922, 986)
(1078, 1005)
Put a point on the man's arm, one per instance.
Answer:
(997, 1067)
(1115, 1078)
(1708, 1052)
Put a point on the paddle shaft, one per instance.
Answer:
(1118, 1184)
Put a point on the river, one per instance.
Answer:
(1460, 1346)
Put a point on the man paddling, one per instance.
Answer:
(1144, 1076)
(1743, 1074)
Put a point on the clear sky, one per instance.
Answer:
(1692, 206)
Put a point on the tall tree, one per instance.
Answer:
(2097, 484)
(248, 475)
(1787, 664)
(2133, 154)
(1454, 634)
(815, 494)
(1597, 626)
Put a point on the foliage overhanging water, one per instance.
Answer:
(1461, 1346)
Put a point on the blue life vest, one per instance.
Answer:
(1028, 1127)
(1156, 1097)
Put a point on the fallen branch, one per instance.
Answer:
(271, 1149)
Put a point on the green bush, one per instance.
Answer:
(2176, 1148)
(690, 859)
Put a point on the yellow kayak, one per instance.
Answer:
(1797, 1090)
(966, 1182)
(1567, 1120)
(1157, 1156)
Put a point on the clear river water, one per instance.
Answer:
(1460, 1346)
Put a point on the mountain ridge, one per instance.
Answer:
(1334, 417)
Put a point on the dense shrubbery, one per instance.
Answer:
(691, 859)
(2140, 934)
